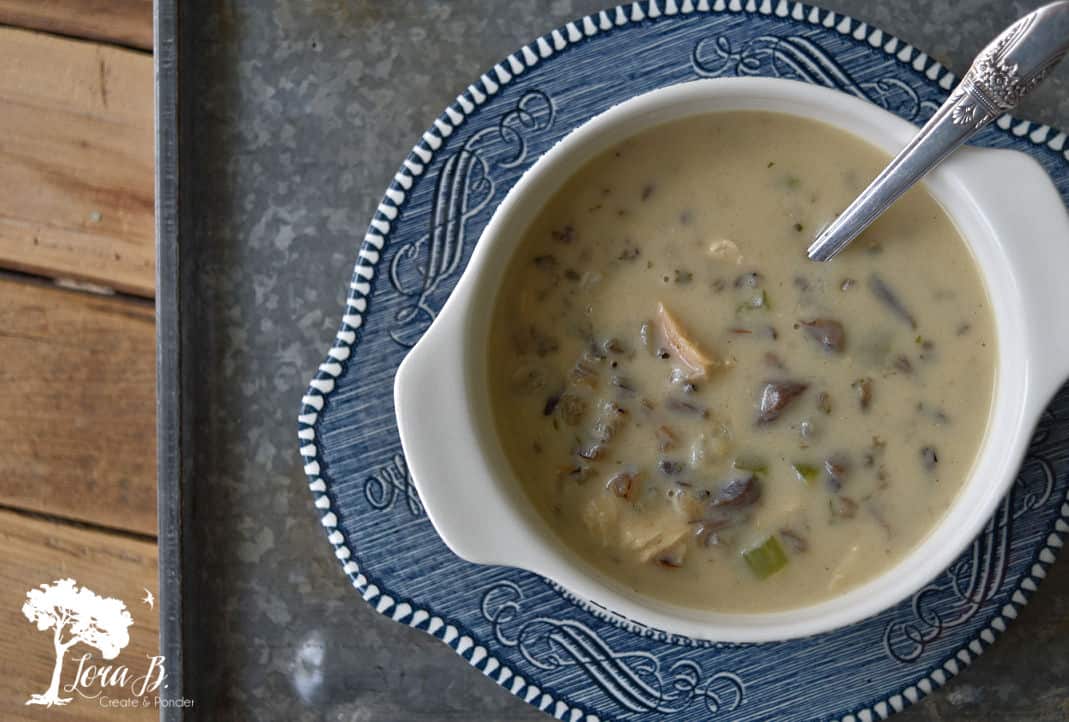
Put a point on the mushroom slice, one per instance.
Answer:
(827, 332)
(777, 396)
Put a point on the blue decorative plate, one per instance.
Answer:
(571, 660)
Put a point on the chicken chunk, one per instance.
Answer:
(697, 360)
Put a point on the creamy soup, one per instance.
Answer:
(707, 416)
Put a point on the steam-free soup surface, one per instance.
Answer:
(706, 416)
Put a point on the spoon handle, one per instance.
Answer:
(1004, 72)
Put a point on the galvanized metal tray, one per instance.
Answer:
(279, 124)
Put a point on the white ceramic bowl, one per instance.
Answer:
(1002, 202)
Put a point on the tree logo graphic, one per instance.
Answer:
(75, 614)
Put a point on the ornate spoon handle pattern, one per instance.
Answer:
(1010, 67)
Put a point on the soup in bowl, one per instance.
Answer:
(642, 389)
(704, 414)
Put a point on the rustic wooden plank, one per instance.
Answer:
(39, 552)
(126, 22)
(77, 375)
(76, 155)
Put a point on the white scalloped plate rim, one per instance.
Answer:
(378, 232)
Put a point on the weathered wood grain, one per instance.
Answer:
(126, 22)
(39, 552)
(76, 159)
(77, 375)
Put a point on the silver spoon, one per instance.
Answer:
(1011, 66)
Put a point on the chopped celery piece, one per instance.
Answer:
(766, 558)
(752, 463)
(806, 472)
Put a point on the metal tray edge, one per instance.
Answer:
(172, 489)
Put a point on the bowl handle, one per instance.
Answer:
(438, 434)
(1016, 193)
